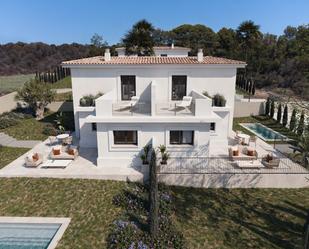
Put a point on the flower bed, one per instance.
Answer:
(131, 231)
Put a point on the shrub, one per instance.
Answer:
(7, 122)
(293, 120)
(205, 93)
(50, 130)
(89, 100)
(219, 100)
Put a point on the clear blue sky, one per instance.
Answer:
(66, 21)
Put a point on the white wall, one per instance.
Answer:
(128, 156)
(172, 52)
(88, 137)
(213, 79)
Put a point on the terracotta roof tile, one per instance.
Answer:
(145, 60)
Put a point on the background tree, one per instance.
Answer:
(285, 116)
(97, 45)
(153, 196)
(139, 40)
(301, 124)
(37, 95)
(293, 120)
(272, 108)
(279, 113)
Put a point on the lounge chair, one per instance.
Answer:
(33, 160)
(185, 103)
(270, 161)
(62, 153)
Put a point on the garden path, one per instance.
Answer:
(6, 140)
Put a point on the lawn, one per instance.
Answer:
(64, 97)
(32, 129)
(13, 82)
(241, 218)
(208, 218)
(64, 83)
(8, 154)
(271, 123)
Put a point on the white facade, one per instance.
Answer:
(156, 115)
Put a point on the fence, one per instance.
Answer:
(54, 75)
(224, 165)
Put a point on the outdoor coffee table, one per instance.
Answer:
(59, 163)
(249, 164)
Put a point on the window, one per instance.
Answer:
(213, 126)
(163, 55)
(179, 87)
(125, 137)
(94, 126)
(181, 137)
(128, 87)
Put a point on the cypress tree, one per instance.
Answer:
(301, 124)
(153, 195)
(267, 106)
(293, 120)
(285, 116)
(279, 113)
(272, 108)
(253, 89)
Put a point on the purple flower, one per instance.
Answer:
(132, 246)
(141, 245)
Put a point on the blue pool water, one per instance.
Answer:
(26, 235)
(264, 132)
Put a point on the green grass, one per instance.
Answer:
(64, 83)
(32, 129)
(64, 97)
(87, 202)
(9, 154)
(208, 218)
(241, 218)
(13, 82)
(271, 123)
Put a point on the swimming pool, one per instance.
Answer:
(27, 233)
(264, 132)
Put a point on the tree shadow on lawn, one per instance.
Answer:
(243, 218)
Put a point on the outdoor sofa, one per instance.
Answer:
(64, 153)
(33, 160)
(242, 153)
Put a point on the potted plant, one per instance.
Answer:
(164, 155)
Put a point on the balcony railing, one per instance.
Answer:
(125, 108)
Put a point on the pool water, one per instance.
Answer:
(264, 132)
(26, 235)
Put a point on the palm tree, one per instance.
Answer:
(140, 40)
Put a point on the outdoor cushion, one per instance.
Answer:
(71, 151)
(35, 157)
(56, 152)
(236, 152)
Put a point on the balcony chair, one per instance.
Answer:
(185, 103)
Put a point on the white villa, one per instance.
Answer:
(154, 100)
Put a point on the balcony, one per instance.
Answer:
(126, 108)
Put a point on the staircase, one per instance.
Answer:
(6, 140)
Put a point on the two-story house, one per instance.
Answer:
(157, 99)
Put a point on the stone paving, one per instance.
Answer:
(6, 140)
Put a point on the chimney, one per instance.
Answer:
(172, 45)
(200, 55)
(107, 55)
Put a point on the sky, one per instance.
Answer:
(67, 21)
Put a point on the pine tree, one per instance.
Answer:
(272, 108)
(279, 113)
(267, 106)
(301, 124)
(153, 196)
(285, 116)
(293, 120)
